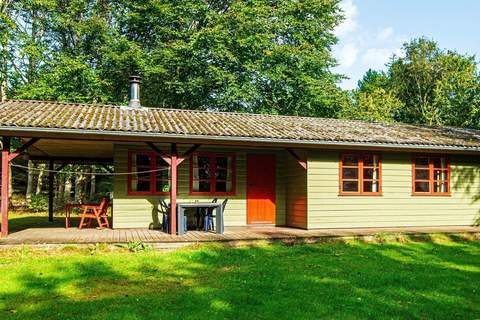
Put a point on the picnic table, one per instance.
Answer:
(181, 206)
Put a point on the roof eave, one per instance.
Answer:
(79, 134)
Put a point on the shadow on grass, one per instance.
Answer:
(19, 222)
(333, 280)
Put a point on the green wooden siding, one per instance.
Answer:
(396, 207)
(296, 194)
(142, 211)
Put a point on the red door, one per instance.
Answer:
(260, 189)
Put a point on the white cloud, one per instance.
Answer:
(361, 45)
(376, 58)
(385, 33)
(348, 55)
(350, 14)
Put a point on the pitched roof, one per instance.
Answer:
(16, 115)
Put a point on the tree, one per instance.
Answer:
(249, 56)
(375, 104)
(437, 87)
(424, 85)
(373, 80)
(6, 26)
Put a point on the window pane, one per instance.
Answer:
(221, 174)
(350, 160)
(440, 174)
(440, 162)
(422, 187)
(350, 186)
(421, 162)
(221, 186)
(143, 160)
(440, 186)
(370, 173)
(221, 167)
(142, 185)
(422, 174)
(140, 181)
(203, 186)
(204, 169)
(370, 160)
(370, 186)
(222, 162)
(350, 173)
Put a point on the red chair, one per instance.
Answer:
(98, 212)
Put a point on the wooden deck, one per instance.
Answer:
(89, 236)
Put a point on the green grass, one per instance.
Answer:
(414, 280)
(21, 220)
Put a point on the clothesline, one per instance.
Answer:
(89, 173)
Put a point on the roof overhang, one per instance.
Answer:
(122, 136)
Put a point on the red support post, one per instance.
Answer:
(50, 190)
(5, 184)
(173, 190)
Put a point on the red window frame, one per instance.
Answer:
(360, 180)
(213, 157)
(152, 179)
(431, 170)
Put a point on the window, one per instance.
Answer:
(149, 174)
(360, 174)
(212, 174)
(431, 175)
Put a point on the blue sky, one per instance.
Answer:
(376, 29)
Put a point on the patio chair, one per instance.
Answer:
(201, 213)
(165, 209)
(209, 224)
(99, 212)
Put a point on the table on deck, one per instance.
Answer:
(181, 206)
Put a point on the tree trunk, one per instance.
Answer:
(79, 187)
(86, 183)
(68, 189)
(92, 186)
(28, 193)
(4, 43)
(41, 173)
(60, 187)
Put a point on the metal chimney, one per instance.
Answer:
(134, 91)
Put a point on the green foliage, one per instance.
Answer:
(376, 104)
(373, 80)
(425, 85)
(249, 56)
(38, 203)
(438, 87)
(138, 246)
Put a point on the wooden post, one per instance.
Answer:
(50, 190)
(5, 184)
(173, 190)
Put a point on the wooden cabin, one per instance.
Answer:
(275, 170)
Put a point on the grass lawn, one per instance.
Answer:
(438, 280)
(20, 220)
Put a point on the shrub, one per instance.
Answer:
(38, 202)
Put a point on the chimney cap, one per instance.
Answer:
(135, 79)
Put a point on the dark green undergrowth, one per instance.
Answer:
(414, 280)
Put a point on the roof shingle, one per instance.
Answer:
(95, 118)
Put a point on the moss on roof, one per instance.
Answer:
(95, 117)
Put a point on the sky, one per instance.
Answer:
(374, 30)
